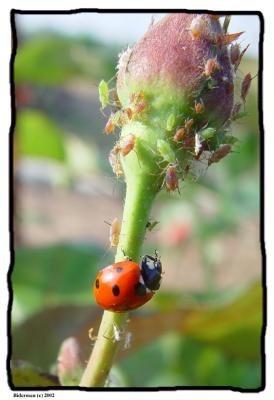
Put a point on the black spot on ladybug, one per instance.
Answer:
(115, 290)
(140, 289)
(119, 269)
(97, 283)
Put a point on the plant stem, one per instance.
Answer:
(141, 191)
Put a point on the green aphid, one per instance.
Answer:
(170, 122)
(207, 133)
(103, 93)
(166, 151)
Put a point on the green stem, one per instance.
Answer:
(141, 191)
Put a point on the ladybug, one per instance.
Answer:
(124, 285)
(151, 271)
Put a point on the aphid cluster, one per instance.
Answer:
(195, 133)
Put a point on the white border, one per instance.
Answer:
(265, 6)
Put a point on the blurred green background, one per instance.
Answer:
(204, 327)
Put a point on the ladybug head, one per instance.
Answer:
(151, 270)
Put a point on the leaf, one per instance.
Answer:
(53, 59)
(59, 274)
(103, 93)
(37, 136)
(234, 327)
(26, 375)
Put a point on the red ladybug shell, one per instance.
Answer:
(117, 287)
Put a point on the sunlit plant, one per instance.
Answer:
(173, 104)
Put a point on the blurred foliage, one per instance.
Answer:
(38, 136)
(179, 339)
(52, 59)
(54, 275)
(26, 375)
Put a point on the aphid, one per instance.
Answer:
(245, 86)
(211, 66)
(170, 122)
(179, 134)
(127, 145)
(109, 128)
(199, 107)
(127, 340)
(103, 93)
(138, 102)
(116, 100)
(115, 162)
(166, 151)
(203, 147)
(236, 55)
(171, 179)
(220, 153)
(140, 107)
(150, 225)
(114, 232)
(198, 145)
(207, 133)
(92, 337)
(188, 123)
(236, 109)
(199, 28)
(117, 333)
(129, 113)
(229, 87)
(186, 170)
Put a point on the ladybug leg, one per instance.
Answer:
(125, 256)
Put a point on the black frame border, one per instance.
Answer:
(259, 14)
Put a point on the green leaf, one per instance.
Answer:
(37, 136)
(61, 274)
(103, 93)
(26, 375)
(53, 59)
(234, 328)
